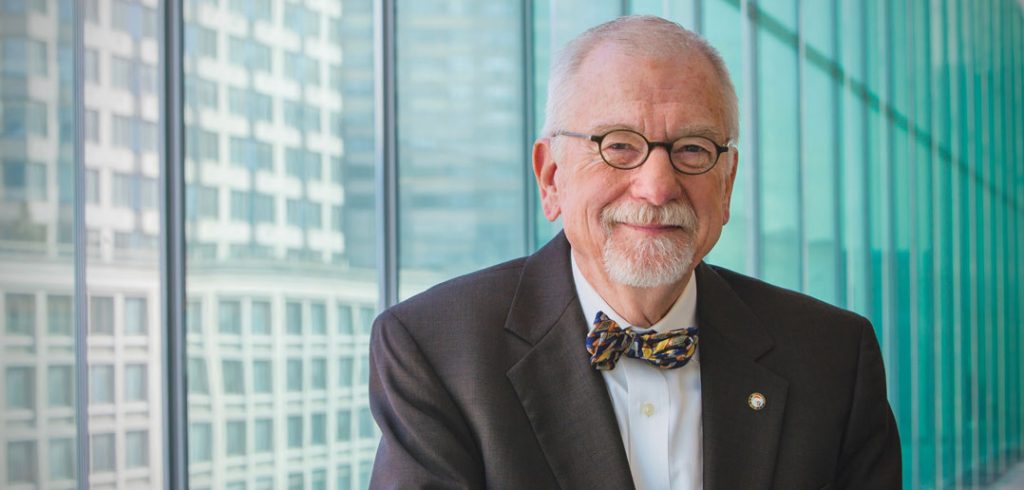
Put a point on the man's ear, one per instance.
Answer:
(545, 169)
(729, 179)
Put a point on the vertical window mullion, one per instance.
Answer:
(386, 158)
(79, 233)
(172, 263)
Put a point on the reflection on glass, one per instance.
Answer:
(461, 133)
(280, 238)
(122, 225)
(37, 396)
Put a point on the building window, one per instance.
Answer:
(21, 388)
(318, 429)
(302, 69)
(136, 449)
(262, 377)
(197, 380)
(135, 385)
(60, 385)
(233, 377)
(102, 453)
(200, 41)
(92, 187)
(201, 145)
(136, 317)
(319, 480)
(201, 202)
(92, 66)
(36, 118)
(201, 92)
(38, 64)
(263, 442)
(194, 317)
(252, 9)
(301, 20)
(303, 164)
(318, 318)
(294, 375)
(296, 481)
(249, 54)
(101, 315)
(101, 384)
(91, 126)
(62, 459)
(261, 317)
(236, 438)
(200, 440)
(250, 104)
(295, 431)
(21, 462)
(345, 368)
(122, 73)
(293, 317)
(230, 315)
(301, 117)
(343, 431)
(344, 477)
(24, 181)
(318, 374)
(251, 154)
(20, 313)
(367, 429)
(344, 320)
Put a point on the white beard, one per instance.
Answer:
(652, 262)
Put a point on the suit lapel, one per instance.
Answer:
(740, 443)
(565, 400)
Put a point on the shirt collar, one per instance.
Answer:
(682, 314)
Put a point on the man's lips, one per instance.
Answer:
(652, 228)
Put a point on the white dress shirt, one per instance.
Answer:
(658, 410)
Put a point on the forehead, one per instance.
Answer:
(616, 86)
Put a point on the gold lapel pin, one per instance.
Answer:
(756, 401)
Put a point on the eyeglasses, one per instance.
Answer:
(625, 149)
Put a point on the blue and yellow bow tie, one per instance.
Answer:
(607, 342)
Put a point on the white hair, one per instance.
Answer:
(645, 35)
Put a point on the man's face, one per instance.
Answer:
(650, 225)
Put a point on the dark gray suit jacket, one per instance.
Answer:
(484, 381)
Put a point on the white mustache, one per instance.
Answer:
(676, 213)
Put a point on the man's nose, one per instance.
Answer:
(656, 182)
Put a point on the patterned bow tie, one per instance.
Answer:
(607, 342)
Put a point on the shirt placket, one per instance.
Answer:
(649, 414)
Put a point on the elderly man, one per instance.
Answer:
(614, 357)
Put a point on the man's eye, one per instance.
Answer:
(620, 147)
(693, 149)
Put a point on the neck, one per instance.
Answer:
(641, 307)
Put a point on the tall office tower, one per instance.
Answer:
(279, 132)
(121, 170)
(462, 158)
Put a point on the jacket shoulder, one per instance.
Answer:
(478, 297)
(769, 301)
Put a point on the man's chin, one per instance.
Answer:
(653, 265)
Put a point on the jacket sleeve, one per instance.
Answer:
(425, 441)
(870, 455)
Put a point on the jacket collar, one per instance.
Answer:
(568, 405)
(565, 400)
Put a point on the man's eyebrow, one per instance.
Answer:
(604, 128)
(704, 131)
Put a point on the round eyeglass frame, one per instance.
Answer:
(667, 145)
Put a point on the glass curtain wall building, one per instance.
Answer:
(338, 156)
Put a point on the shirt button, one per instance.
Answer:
(647, 409)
